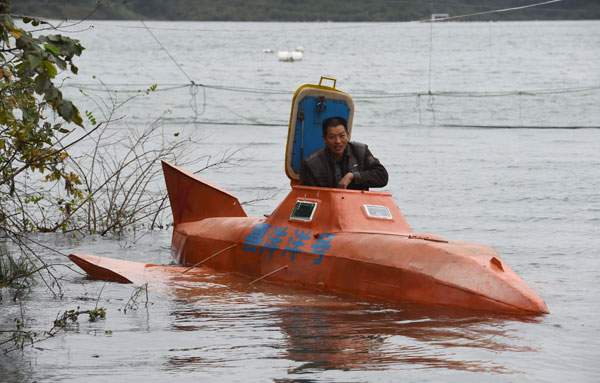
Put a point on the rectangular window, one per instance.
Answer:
(376, 211)
(304, 210)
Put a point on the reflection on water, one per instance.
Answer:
(329, 332)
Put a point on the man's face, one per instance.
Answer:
(336, 140)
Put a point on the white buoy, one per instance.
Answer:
(300, 48)
(296, 56)
(268, 51)
(284, 56)
(289, 56)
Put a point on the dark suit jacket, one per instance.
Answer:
(318, 169)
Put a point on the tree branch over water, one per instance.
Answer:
(105, 180)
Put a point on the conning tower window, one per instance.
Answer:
(376, 211)
(304, 210)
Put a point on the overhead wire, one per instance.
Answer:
(194, 87)
(357, 94)
(166, 51)
(490, 12)
(431, 100)
(354, 26)
(438, 18)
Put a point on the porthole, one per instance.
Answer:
(304, 210)
(377, 211)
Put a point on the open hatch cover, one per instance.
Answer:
(310, 106)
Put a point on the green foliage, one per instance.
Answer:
(28, 66)
(90, 117)
(22, 337)
(73, 315)
(152, 88)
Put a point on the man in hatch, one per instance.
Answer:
(342, 164)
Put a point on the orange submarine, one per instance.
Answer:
(338, 240)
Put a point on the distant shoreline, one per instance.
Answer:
(306, 10)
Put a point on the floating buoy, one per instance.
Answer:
(268, 51)
(289, 56)
(300, 48)
(284, 56)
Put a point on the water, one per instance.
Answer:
(532, 194)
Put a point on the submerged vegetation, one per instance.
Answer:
(69, 172)
(21, 337)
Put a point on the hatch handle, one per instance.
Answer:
(328, 78)
(496, 262)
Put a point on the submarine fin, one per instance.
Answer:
(101, 268)
(193, 199)
(123, 271)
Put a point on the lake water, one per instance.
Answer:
(489, 157)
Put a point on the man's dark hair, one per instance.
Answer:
(334, 121)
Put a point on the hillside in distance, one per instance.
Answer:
(304, 10)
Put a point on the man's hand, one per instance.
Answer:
(344, 182)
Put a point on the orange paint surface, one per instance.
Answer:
(346, 241)
(343, 249)
(340, 249)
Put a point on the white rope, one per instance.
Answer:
(490, 12)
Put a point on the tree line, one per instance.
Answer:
(304, 10)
